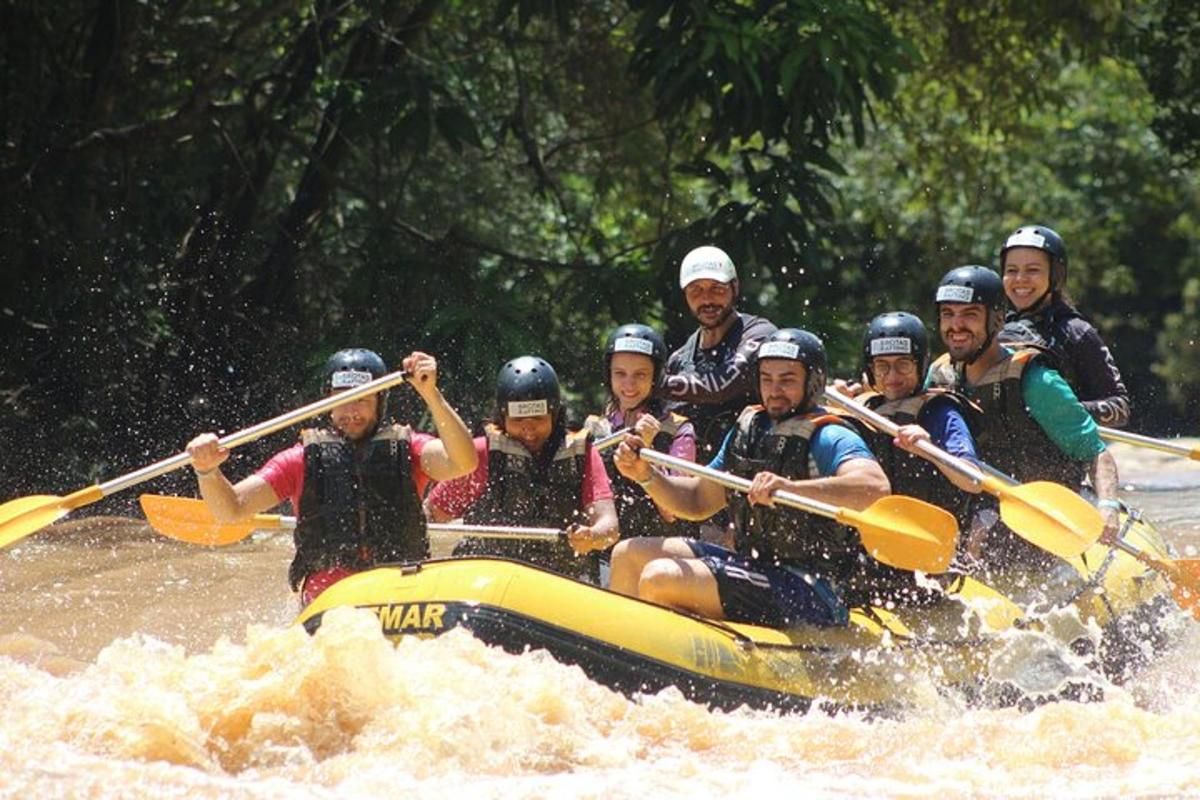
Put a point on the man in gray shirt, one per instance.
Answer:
(708, 379)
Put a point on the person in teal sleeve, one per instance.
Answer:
(1032, 427)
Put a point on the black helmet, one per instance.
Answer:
(527, 386)
(355, 366)
(971, 284)
(639, 339)
(1039, 237)
(895, 333)
(975, 284)
(352, 367)
(797, 345)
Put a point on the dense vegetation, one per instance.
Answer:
(201, 200)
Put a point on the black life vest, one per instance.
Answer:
(359, 506)
(1044, 329)
(783, 535)
(638, 514)
(909, 474)
(1008, 437)
(519, 493)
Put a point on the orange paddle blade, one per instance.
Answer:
(1184, 575)
(189, 520)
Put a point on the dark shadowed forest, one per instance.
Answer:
(202, 200)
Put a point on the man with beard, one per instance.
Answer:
(786, 567)
(708, 379)
(356, 483)
(1032, 427)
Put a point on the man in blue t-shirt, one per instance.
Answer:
(787, 566)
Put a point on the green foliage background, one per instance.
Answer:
(203, 200)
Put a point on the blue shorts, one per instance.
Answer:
(765, 593)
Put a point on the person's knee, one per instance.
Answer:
(634, 553)
(659, 581)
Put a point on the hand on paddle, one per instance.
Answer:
(585, 538)
(764, 485)
(1112, 525)
(422, 374)
(907, 437)
(647, 427)
(207, 453)
(848, 388)
(629, 463)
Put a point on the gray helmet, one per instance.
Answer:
(528, 386)
(797, 345)
(895, 333)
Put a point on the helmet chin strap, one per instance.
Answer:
(992, 331)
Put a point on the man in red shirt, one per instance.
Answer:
(357, 485)
(532, 471)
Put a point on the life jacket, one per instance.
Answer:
(359, 506)
(908, 473)
(712, 421)
(783, 535)
(1037, 332)
(519, 493)
(638, 514)
(1008, 437)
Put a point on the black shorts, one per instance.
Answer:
(765, 593)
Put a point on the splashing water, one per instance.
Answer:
(133, 666)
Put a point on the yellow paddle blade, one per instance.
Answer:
(906, 533)
(1050, 516)
(26, 515)
(189, 520)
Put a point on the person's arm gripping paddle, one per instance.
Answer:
(601, 531)
(853, 478)
(228, 502)
(943, 425)
(684, 496)
(452, 454)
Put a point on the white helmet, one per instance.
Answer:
(706, 262)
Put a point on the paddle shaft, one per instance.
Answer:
(885, 425)
(255, 431)
(612, 440)
(736, 483)
(486, 531)
(1114, 435)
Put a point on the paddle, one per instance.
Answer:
(23, 516)
(1045, 514)
(1114, 435)
(613, 439)
(902, 532)
(1183, 573)
(189, 520)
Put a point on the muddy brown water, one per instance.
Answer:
(135, 666)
